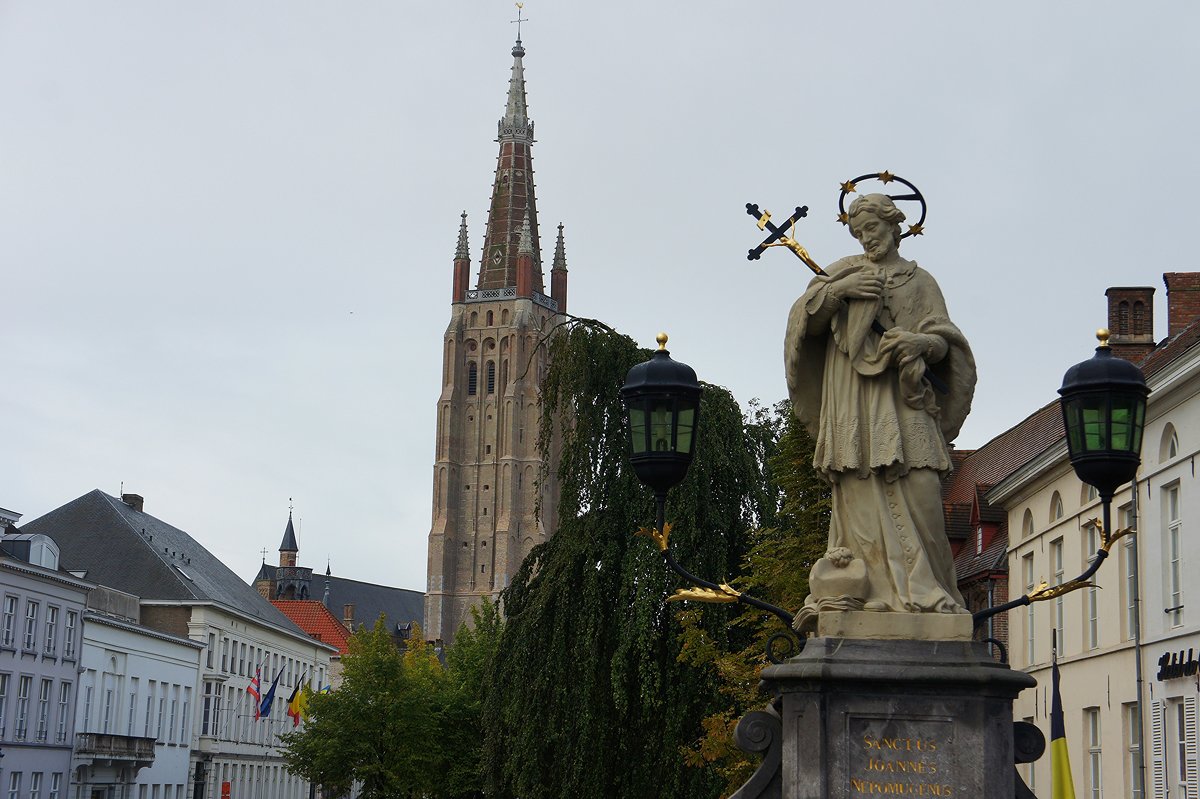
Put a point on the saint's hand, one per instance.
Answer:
(860, 285)
(903, 347)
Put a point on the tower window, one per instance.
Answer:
(490, 319)
(472, 378)
(491, 377)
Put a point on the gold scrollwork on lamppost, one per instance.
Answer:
(721, 594)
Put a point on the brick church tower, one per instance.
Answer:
(486, 470)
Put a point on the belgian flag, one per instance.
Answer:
(1061, 784)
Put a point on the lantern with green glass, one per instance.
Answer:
(1104, 411)
(662, 397)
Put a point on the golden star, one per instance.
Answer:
(886, 177)
(916, 230)
(848, 186)
(844, 218)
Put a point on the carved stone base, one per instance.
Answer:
(895, 626)
(910, 718)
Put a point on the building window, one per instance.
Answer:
(55, 785)
(133, 686)
(149, 708)
(1173, 445)
(1185, 731)
(210, 721)
(44, 709)
(1027, 574)
(1027, 524)
(171, 720)
(979, 540)
(35, 785)
(69, 635)
(1056, 507)
(31, 616)
(1174, 547)
(64, 709)
(491, 377)
(183, 717)
(3, 701)
(14, 785)
(21, 722)
(225, 655)
(1091, 725)
(1092, 601)
(1056, 561)
(212, 648)
(51, 628)
(490, 318)
(87, 708)
(10, 620)
(1133, 751)
(472, 378)
(162, 706)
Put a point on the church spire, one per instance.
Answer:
(558, 273)
(462, 252)
(288, 547)
(513, 197)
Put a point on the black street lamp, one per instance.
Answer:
(1103, 401)
(662, 397)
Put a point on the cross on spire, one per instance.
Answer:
(264, 554)
(519, 20)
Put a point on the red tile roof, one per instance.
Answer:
(316, 620)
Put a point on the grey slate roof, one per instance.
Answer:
(137, 553)
(289, 538)
(400, 605)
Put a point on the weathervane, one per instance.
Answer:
(785, 235)
(519, 20)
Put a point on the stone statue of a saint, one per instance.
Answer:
(881, 430)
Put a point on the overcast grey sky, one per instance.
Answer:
(226, 228)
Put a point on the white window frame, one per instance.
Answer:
(10, 621)
(1095, 772)
(1092, 602)
(1174, 552)
(21, 718)
(51, 629)
(69, 634)
(1057, 563)
(29, 640)
(64, 710)
(43, 723)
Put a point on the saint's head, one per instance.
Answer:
(875, 222)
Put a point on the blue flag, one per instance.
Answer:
(269, 697)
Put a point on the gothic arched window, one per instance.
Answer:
(472, 378)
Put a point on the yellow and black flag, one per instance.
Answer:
(1061, 784)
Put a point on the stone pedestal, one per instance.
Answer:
(862, 718)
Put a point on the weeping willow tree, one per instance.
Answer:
(589, 697)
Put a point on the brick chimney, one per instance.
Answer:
(1183, 300)
(134, 501)
(348, 617)
(1131, 321)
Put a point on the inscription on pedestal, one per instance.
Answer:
(900, 756)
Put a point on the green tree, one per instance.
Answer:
(468, 680)
(775, 569)
(379, 727)
(589, 698)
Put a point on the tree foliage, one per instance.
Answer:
(400, 724)
(775, 569)
(589, 697)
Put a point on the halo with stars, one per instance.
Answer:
(885, 177)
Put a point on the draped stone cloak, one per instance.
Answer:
(881, 432)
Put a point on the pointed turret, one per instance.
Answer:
(462, 262)
(558, 273)
(288, 548)
(513, 197)
(525, 262)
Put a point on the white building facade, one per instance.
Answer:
(41, 613)
(136, 705)
(1128, 648)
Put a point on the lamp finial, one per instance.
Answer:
(661, 338)
(1102, 336)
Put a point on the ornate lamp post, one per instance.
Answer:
(662, 397)
(1104, 410)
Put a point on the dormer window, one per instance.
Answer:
(979, 540)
